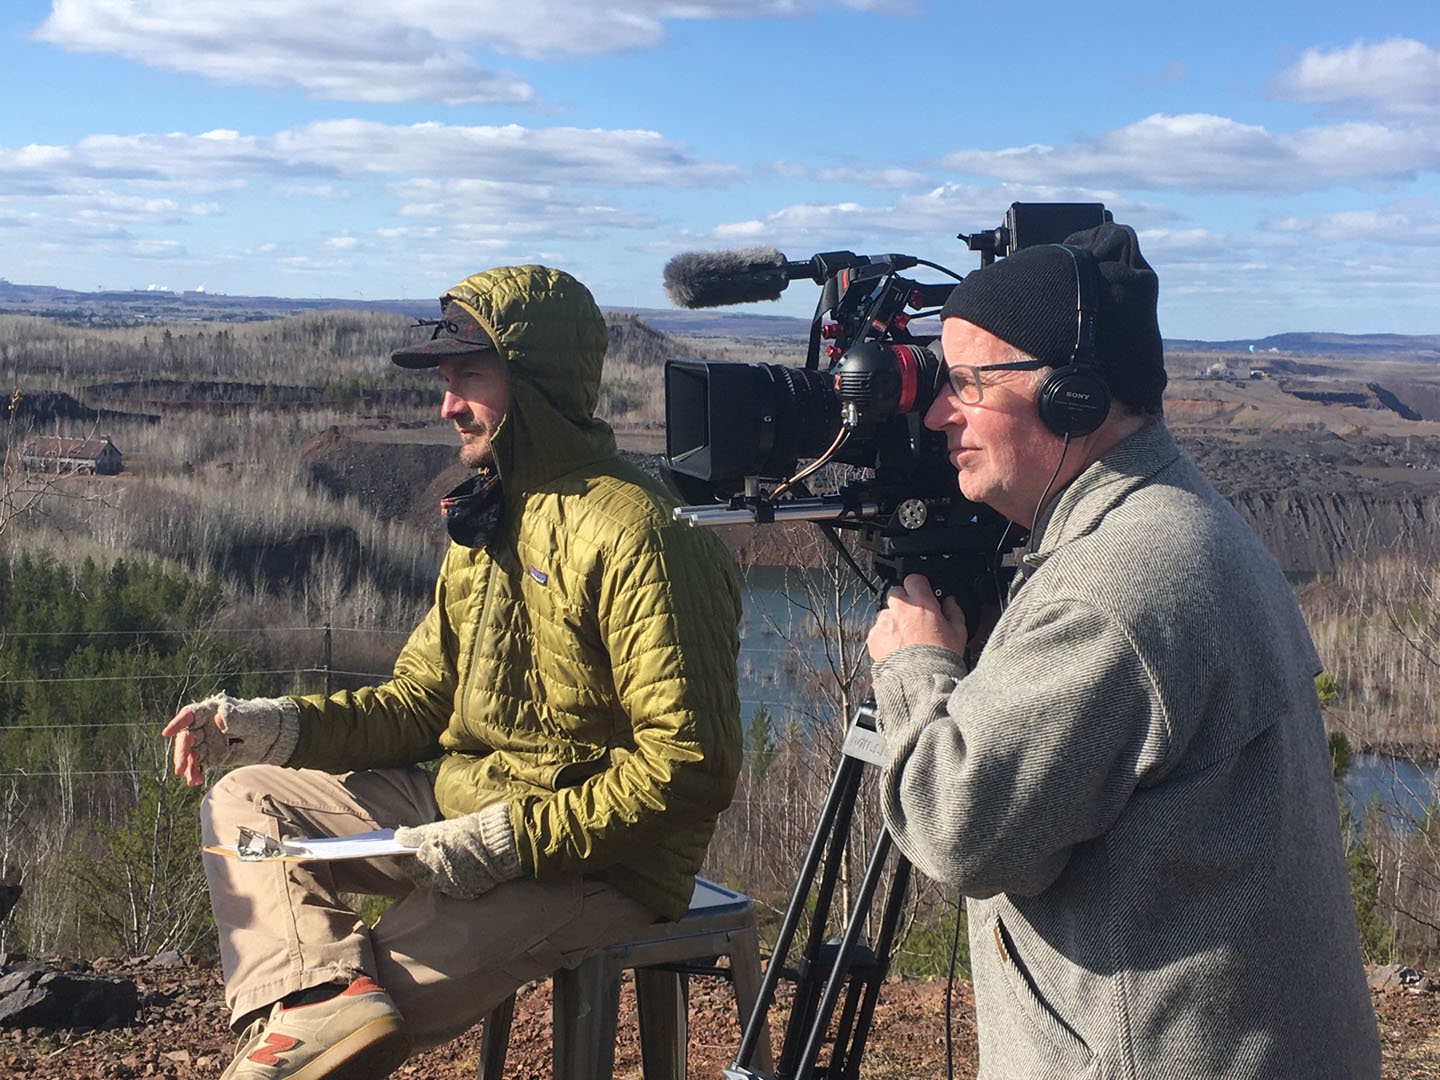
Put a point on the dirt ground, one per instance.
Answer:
(181, 1033)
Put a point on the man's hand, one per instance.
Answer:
(464, 857)
(222, 730)
(912, 616)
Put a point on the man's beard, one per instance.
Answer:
(477, 452)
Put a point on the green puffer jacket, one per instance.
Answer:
(582, 667)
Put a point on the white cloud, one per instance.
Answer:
(741, 230)
(91, 207)
(1399, 75)
(480, 208)
(1202, 152)
(922, 224)
(853, 176)
(490, 189)
(332, 149)
(1409, 223)
(572, 156)
(383, 50)
(346, 52)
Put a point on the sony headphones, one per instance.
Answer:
(1075, 399)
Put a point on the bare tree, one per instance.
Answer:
(23, 489)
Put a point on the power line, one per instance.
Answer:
(75, 723)
(164, 773)
(106, 772)
(217, 631)
(183, 675)
(4, 680)
(751, 703)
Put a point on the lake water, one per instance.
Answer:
(778, 640)
(776, 631)
(1403, 790)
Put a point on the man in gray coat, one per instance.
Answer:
(1131, 785)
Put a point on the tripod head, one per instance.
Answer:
(958, 545)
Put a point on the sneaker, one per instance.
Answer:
(355, 1035)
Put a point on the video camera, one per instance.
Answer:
(735, 433)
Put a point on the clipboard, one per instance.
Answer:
(251, 846)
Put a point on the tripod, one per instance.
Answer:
(825, 968)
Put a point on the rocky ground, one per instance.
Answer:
(180, 1031)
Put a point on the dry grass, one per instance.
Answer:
(1375, 625)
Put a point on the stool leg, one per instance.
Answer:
(662, 1002)
(745, 974)
(496, 1041)
(584, 1010)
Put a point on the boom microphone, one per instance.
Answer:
(700, 279)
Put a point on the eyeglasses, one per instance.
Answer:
(965, 378)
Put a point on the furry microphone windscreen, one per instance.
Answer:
(700, 279)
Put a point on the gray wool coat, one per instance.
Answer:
(1132, 789)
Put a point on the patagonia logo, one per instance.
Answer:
(539, 575)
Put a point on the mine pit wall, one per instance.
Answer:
(1313, 532)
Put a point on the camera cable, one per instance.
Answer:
(949, 995)
(814, 466)
(1040, 502)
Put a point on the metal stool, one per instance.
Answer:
(585, 1002)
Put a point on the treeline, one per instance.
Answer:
(1376, 625)
(332, 358)
(93, 826)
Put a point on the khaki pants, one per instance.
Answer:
(446, 962)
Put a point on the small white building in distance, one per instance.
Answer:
(51, 453)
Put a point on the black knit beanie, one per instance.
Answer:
(1028, 300)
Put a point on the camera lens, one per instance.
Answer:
(727, 421)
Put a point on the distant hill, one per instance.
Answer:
(710, 322)
(1398, 346)
(142, 305)
(159, 305)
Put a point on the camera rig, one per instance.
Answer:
(735, 436)
(735, 433)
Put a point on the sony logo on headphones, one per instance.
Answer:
(1077, 394)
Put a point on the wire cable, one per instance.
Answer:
(6, 681)
(949, 998)
(824, 459)
(212, 632)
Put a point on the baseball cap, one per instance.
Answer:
(456, 334)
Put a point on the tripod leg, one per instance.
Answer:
(889, 923)
(820, 962)
(834, 824)
(840, 971)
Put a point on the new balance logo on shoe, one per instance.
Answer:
(357, 1034)
(275, 1044)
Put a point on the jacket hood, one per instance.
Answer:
(551, 339)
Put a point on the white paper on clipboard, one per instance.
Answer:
(366, 845)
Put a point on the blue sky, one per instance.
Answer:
(1278, 159)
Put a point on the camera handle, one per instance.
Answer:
(827, 967)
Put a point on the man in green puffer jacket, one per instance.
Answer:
(576, 676)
